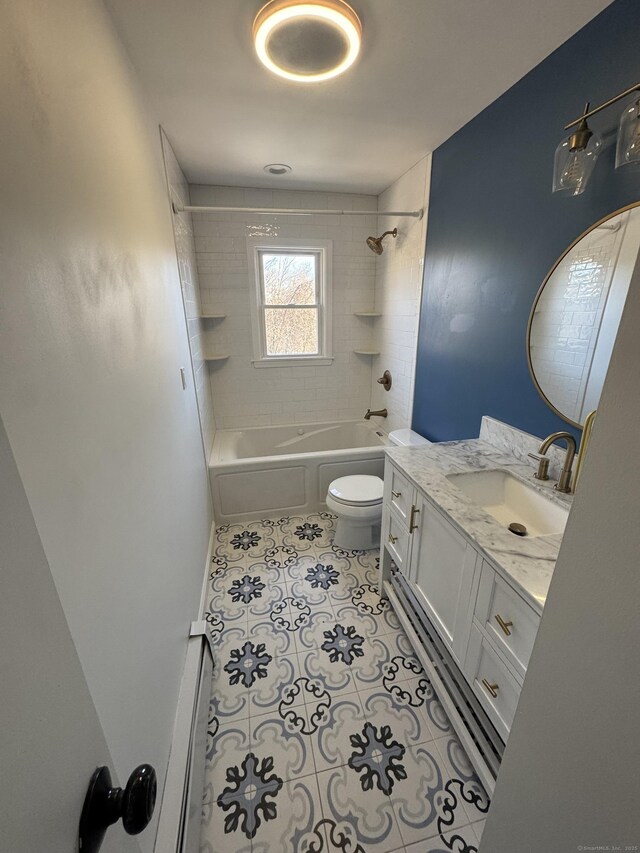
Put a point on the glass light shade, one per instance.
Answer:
(628, 145)
(572, 169)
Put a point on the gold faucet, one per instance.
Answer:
(564, 483)
(382, 413)
(584, 444)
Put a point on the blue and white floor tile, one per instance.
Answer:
(305, 533)
(236, 541)
(409, 723)
(325, 735)
(336, 680)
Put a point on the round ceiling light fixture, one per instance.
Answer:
(307, 42)
(277, 168)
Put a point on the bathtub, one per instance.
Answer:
(286, 470)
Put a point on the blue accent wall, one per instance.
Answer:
(495, 229)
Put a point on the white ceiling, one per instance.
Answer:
(426, 68)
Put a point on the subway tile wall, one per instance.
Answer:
(398, 286)
(570, 312)
(187, 267)
(248, 397)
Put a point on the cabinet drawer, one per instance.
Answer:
(506, 618)
(488, 676)
(395, 537)
(399, 494)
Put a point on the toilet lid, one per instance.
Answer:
(358, 490)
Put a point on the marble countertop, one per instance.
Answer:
(527, 563)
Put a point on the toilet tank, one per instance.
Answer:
(407, 438)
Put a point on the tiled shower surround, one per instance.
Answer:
(187, 268)
(325, 733)
(398, 288)
(244, 396)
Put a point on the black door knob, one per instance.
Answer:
(104, 805)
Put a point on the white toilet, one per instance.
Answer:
(357, 501)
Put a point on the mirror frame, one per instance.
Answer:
(537, 299)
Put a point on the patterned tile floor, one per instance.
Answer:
(324, 732)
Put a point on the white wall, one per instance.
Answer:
(398, 286)
(188, 270)
(570, 780)
(92, 336)
(51, 739)
(243, 395)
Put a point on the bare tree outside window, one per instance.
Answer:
(290, 303)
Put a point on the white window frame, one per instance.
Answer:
(323, 249)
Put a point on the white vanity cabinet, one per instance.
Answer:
(493, 683)
(487, 625)
(441, 569)
(506, 619)
(398, 502)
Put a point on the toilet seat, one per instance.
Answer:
(357, 490)
(356, 501)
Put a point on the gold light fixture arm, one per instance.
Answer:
(603, 106)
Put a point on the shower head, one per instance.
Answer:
(375, 243)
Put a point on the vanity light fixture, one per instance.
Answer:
(628, 145)
(307, 42)
(576, 155)
(575, 158)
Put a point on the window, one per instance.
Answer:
(290, 302)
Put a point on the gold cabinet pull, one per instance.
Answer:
(396, 494)
(393, 539)
(504, 625)
(412, 521)
(491, 688)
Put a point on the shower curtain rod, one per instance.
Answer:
(293, 211)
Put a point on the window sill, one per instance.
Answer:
(302, 361)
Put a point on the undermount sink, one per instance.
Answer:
(510, 500)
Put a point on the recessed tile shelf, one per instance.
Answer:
(366, 314)
(206, 316)
(366, 352)
(215, 356)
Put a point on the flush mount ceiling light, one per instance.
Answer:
(307, 42)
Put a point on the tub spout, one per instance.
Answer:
(381, 413)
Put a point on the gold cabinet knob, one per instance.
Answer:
(491, 688)
(412, 521)
(504, 625)
(393, 539)
(396, 494)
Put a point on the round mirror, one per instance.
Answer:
(575, 316)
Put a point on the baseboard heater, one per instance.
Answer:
(181, 809)
(477, 733)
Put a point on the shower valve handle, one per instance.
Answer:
(385, 380)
